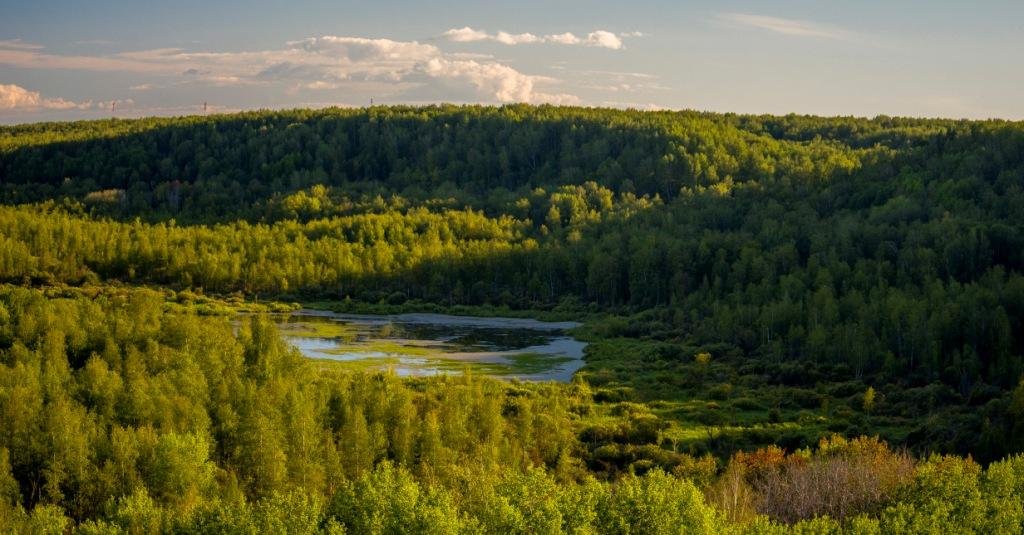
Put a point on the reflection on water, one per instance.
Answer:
(433, 344)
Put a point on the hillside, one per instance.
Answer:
(759, 293)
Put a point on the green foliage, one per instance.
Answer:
(1003, 486)
(222, 428)
(884, 246)
(293, 513)
(869, 399)
(138, 513)
(389, 500)
(655, 503)
(746, 278)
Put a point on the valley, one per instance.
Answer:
(514, 319)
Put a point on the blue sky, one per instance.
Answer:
(69, 60)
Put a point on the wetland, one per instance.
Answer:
(436, 344)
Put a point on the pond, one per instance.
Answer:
(433, 344)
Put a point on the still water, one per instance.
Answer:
(433, 344)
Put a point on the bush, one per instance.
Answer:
(944, 494)
(389, 500)
(747, 404)
(841, 480)
(655, 503)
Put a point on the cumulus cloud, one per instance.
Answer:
(466, 35)
(566, 38)
(17, 98)
(502, 81)
(363, 50)
(516, 38)
(317, 64)
(604, 39)
(792, 27)
(14, 98)
(596, 38)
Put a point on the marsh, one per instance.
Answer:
(434, 344)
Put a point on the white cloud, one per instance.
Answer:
(470, 35)
(793, 27)
(315, 64)
(502, 81)
(465, 35)
(566, 38)
(17, 98)
(516, 39)
(596, 38)
(604, 39)
(363, 50)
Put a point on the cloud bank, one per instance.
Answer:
(316, 63)
(17, 98)
(596, 38)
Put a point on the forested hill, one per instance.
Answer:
(889, 249)
(193, 168)
(758, 292)
(224, 167)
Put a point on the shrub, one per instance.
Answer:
(655, 503)
(841, 480)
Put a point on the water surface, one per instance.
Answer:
(432, 344)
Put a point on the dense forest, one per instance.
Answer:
(795, 323)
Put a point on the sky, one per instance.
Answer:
(64, 60)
